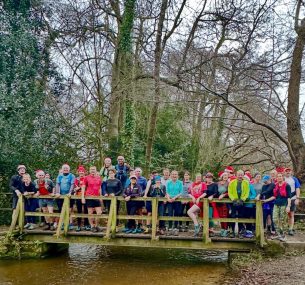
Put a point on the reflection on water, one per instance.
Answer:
(91, 264)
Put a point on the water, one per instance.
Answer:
(91, 264)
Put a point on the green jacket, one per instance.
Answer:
(245, 190)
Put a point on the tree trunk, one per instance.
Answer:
(294, 130)
(154, 110)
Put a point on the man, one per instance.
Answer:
(64, 186)
(92, 187)
(295, 195)
(122, 170)
(238, 191)
(16, 186)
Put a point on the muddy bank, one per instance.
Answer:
(287, 269)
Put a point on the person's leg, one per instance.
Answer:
(170, 210)
(129, 207)
(91, 220)
(271, 218)
(187, 207)
(182, 208)
(133, 211)
(233, 215)
(241, 213)
(33, 207)
(79, 207)
(160, 214)
(98, 211)
(192, 213)
(177, 212)
(60, 203)
(149, 212)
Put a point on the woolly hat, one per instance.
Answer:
(20, 166)
(280, 169)
(220, 174)
(158, 178)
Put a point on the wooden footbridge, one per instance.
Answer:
(110, 236)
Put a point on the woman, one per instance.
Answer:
(113, 188)
(45, 187)
(104, 172)
(197, 190)
(185, 206)
(157, 190)
(30, 203)
(132, 191)
(222, 208)
(257, 183)
(212, 192)
(282, 204)
(81, 208)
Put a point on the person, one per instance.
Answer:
(250, 210)
(29, 191)
(230, 170)
(222, 208)
(157, 190)
(238, 191)
(132, 191)
(16, 186)
(257, 183)
(64, 184)
(122, 170)
(104, 172)
(165, 177)
(113, 188)
(282, 203)
(273, 174)
(197, 191)
(92, 188)
(295, 195)
(152, 180)
(81, 208)
(267, 192)
(185, 206)
(45, 187)
(174, 189)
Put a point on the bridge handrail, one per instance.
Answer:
(112, 217)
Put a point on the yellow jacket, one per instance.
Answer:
(245, 190)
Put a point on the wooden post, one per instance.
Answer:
(61, 221)
(66, 208)
(21, 213)
(114, 216)
(259, 226)
(110, 220)
(15, 217)
(154, 218)
(205, 237)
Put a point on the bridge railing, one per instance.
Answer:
(112, 216)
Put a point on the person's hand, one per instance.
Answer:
(36, 194)
(26, 193)
(83, 201)
(127, 198)
(145, 196)
(210, 198)
(106, 195)
(297, 201)
(221, 197)
(194, 200)
(112, 195)
(69, 195)
(52, 194)
(287, 209)
(197, 200)
(18, 193)
(57, 195)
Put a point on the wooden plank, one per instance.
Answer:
(21, 213)
(108, 230)
(66, 206)
(76, 215)
(233, 220)
(41, 214)
(114, 217)
(205, 237)
(134, 217)
(61, 221)
(154, 219)
(15, 217)
(259, 227)
(183, 219)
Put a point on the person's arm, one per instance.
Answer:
(147, 188)
(71, 190)
(288, 191)
(13, 187)
(269, 199)
(119, 188)
(245, 190)
(231, 190)
(297, 190)
(180, 191)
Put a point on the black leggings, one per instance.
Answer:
(79, 206)
(185, 207)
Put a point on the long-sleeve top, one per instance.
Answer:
(104, 172)
(281, 194)
(132, 191)
(212, 189)
(239, 190)
(186, 186)
(252, 195)
(174, 189)
(267, 191)
(65, 183)
(155, 191)
(28, 188)
(223, 189)
(114, 186)
(16, 184)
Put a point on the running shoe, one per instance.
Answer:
(176, 232)
(291, 233)
(27, 225)
(31, 227)
(94, 230)
(78, 229)
(196, 230)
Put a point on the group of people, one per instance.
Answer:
(279, 192)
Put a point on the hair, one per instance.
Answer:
(240, 172)
(273, 171)
(26, 175)
(65, 165)
(154, 172)
(138, 168)
(112, 170)
(174, 171)
(166, 169)
(186, 172)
